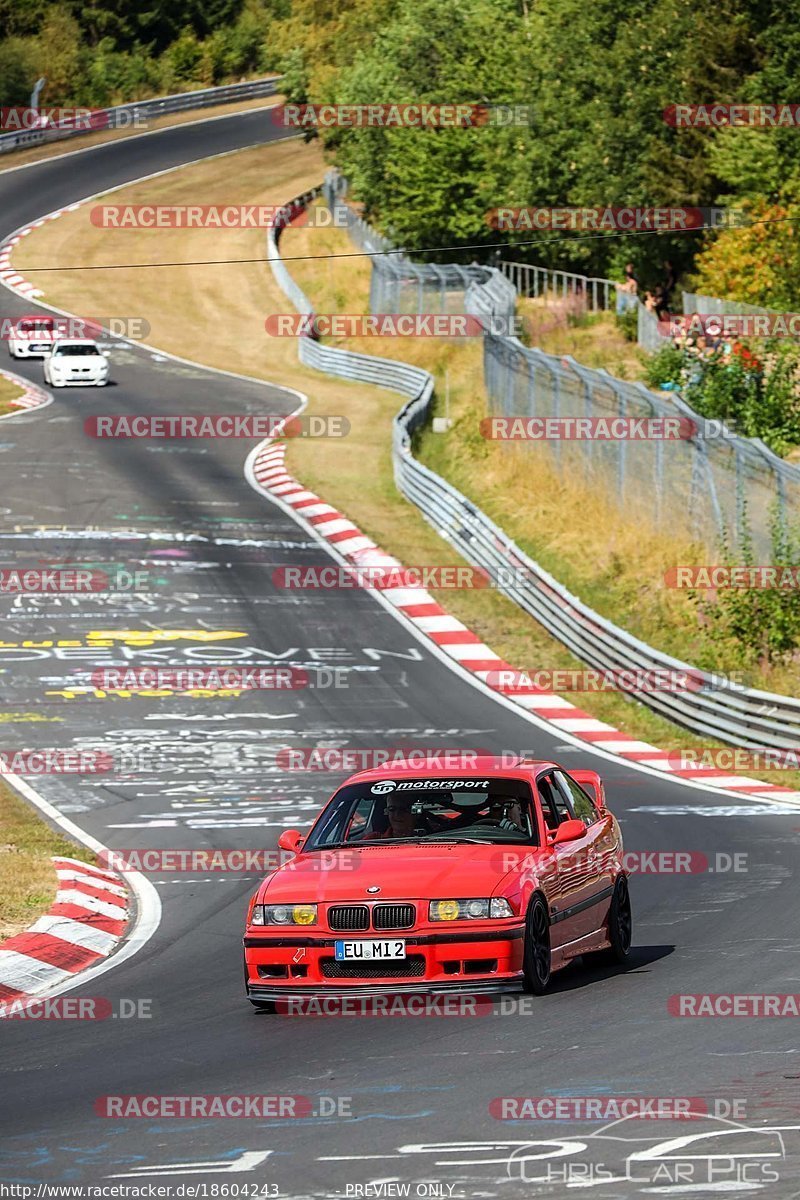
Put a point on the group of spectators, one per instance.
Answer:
(658, 300)
(698, 352)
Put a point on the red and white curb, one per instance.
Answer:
(85, 924)
(32, 396)
(455, 640)
(9, 276)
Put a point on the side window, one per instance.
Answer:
(360, 818)
(584, 808)
(554, 802)
(344, 824)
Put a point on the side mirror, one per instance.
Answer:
(291, 840)
(569, 831)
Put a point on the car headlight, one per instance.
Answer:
(284, 914)
(461, 910)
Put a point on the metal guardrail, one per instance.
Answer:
(740, 716)
(126, 115)
(364, 368)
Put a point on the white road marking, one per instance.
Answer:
(247, 1161)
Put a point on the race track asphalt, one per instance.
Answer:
(413, 1094)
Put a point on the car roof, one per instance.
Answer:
(482, 764)
(76, 342)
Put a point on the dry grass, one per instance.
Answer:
(27, 877)
(211, 313)
(614, 563)
(20, 158)
(9, 391)
(610, 560)
(592, 339)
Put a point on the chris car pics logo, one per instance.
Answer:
(385, 785)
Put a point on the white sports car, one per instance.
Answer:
(32, 337)
(76, 362)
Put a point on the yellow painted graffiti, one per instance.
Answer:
(13, 718)
(147, 637)
(130, 637)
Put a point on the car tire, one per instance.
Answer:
(620, 925)
(537, 956)
(620, 921)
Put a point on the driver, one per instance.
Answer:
(507, 814)
(401, 816)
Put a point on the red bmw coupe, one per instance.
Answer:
(482, 879)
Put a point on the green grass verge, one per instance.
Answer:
(27, 877)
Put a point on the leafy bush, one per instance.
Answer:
(765, 622)
(96, 56)
(182, 59)
(665, 366)
(758, 263)
(758, 395)
(18, 70)
(627, 323)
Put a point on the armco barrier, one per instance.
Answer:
(125, 115)
(740, 716)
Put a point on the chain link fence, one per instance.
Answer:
(703, 486)
(695, 303)
(399, 285)
(712, 485)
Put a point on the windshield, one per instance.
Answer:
(77, 351)
(494, 811)
(35, 326)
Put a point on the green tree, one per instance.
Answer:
(429, 185)
(19, 61)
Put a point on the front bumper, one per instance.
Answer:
(485, 987)
(29, 349)
(84, 381)
(290, 965)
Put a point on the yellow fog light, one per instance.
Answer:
(304, 914)
(445, 910)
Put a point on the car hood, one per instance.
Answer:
(435, 872)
